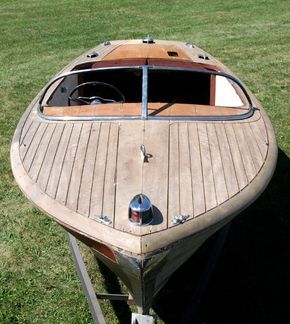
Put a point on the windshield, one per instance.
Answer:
(143, 92)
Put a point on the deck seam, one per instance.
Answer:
(240, 153)
(37, 147)
(48, 145)
(168, 168)
(55, 153)
(258, 144)
(94, 169)
(231, 155)
(250, 149)
(220, 153)
(178, 149)
(32, 138)
(83, 166)
(72, 167)
(211, 163)
(105, 170)
(27, 131)
(190, 168)
(201, 167)
(116, 175)
(62, 163)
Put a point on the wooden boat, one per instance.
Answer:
(143, 149)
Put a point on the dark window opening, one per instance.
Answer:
(128, 82)
(178, 87)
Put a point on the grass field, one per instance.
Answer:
(38, 282)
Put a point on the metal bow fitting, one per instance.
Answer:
(144, 156)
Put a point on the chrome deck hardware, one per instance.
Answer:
(179, 219)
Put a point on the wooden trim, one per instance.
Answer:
(134, 109)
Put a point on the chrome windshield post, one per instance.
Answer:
(144, 113)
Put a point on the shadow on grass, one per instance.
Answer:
(251, 282)
(121, 308)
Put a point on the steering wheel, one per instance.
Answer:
(94, 100)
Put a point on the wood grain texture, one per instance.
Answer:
(155, 169)
(99, 172)
(33, 147)
(246, 156)
(48, 159)
(231, 181)
(84, 199)
(173, 174)
(217, 166)
(67, 165)
(96, 169)
(41, 152)
(185, 172)
(55, 171)
(236, 156)
(129, 172)
(134, 109)
(78, 167)
(196, 170)
(207, 168)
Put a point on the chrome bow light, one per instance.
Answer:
(140, 210)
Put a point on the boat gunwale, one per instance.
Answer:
(144, 111)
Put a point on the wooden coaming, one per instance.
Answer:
(134, 109)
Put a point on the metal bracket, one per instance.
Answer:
(194, 303)
(89, 291)
(88, 288)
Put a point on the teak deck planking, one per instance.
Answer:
(94, 168)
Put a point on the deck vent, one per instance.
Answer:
(107, 43)
(171, 53)
(189, 44)
(92, 54)
(203, 56)
(148, 40)
(140, 210)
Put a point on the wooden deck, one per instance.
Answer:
(95, 168)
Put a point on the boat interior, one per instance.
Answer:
(120, 89)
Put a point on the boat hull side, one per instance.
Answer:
(145, 276)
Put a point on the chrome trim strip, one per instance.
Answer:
(144, 112)
(144, 93)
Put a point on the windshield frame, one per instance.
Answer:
(144, 110)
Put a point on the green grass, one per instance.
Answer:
(38, 283)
